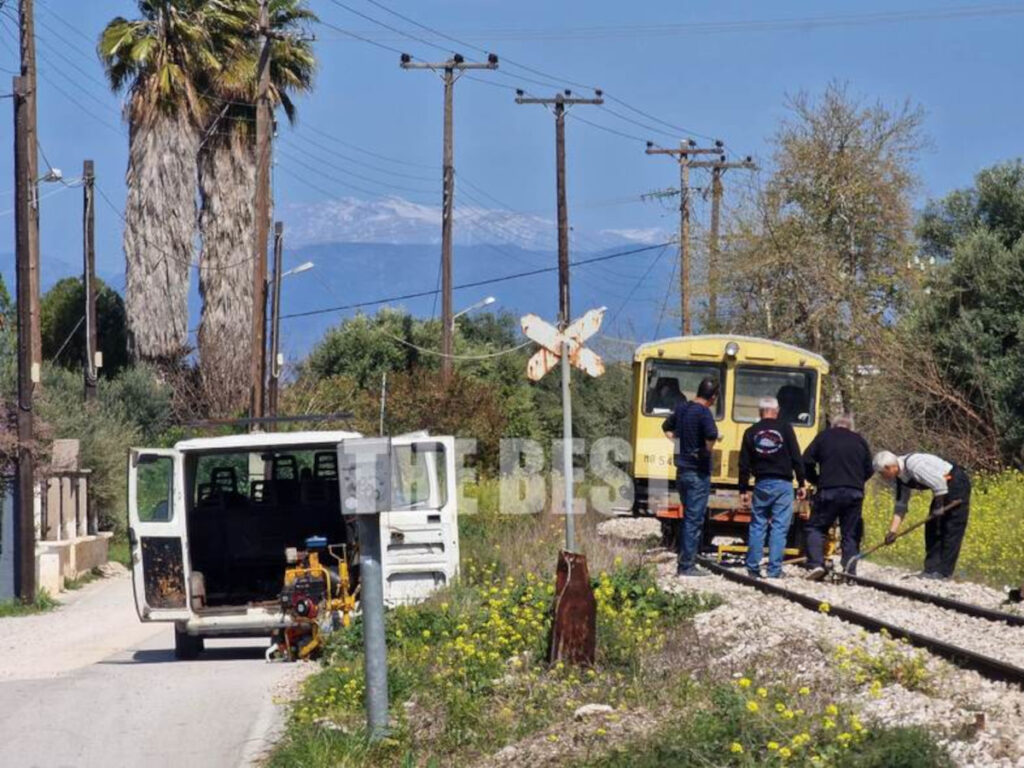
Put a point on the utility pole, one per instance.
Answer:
(682, 155)
(275, 320)
(27, 45)
(560, 102)
(28, 325)
(451, 70)
(718, 168)
(262, 212)
(90, 368)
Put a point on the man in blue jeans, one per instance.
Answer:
(771, 453)
(692, 427)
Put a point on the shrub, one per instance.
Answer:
(131, 409)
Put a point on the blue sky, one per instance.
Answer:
(727, 81)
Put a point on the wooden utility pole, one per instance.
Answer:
(686, 149)
(451, 70)
(264, 118)
(275, 321)
(559, 103)
(28, 327)
(27, 45)
(718, 167)
(90, 367)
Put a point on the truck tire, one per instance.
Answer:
(186, 646)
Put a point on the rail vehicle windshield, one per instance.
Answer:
(793, 388)
(670, 382)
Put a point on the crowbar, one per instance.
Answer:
(952, 505)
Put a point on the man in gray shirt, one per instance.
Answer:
(944, 531)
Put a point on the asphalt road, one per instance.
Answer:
(89, 685)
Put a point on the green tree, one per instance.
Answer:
(817, 259)
(158, 59)
(61, 319)
(364, 347)
(972, 315)
(227, 187)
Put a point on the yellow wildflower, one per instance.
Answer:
(752, 706)
(762, 692)
(744, 682)
(832, 709)
(773, 745)
(804, 691)
(785, 753)
(736, 748)
(824, 607)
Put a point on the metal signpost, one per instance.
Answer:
(364, 471)
(567, 348)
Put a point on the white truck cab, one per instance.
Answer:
(210, 520)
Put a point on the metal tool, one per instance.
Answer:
(952, 505)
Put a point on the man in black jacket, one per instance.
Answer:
(769, 451)
(838, 463)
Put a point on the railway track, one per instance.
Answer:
(987, 666)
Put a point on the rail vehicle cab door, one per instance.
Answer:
(157, 534)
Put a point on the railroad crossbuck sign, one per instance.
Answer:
(553, 343)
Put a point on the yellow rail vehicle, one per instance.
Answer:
(747, 369)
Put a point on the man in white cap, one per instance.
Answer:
(944, 531)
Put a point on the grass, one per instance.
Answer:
(86, 578)
(468, 675)
(468, 669)
(120, 552)
(746, 725)
(41, 604)
(993, 547)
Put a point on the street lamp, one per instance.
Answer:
(276, 358)
(482, 303)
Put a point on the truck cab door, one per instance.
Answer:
(420, 534)
(157, 534)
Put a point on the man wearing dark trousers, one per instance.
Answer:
(692, 427)
(949, 484)
(838, 463)
(771, 453)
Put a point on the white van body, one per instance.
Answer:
(210, 519)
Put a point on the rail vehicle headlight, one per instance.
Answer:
(732, 349)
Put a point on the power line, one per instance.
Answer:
(357, 161)
(750, 25)
(474, 284)
(387, 26)
(347, 172)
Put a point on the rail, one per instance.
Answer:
(993, 669)
(968, 609)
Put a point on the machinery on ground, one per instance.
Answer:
(316, 598)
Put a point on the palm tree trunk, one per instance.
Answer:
(227, 183)
(159, 235)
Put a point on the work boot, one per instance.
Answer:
(817, 573)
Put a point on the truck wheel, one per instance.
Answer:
(186, 646)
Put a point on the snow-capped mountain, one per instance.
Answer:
(396, 221)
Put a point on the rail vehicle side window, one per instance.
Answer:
(155, 494)
(794, 389)
(670, 382)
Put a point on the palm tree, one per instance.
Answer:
(158, 59)
(227, 186)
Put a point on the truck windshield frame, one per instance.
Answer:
(789, 377)
(694, 371)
